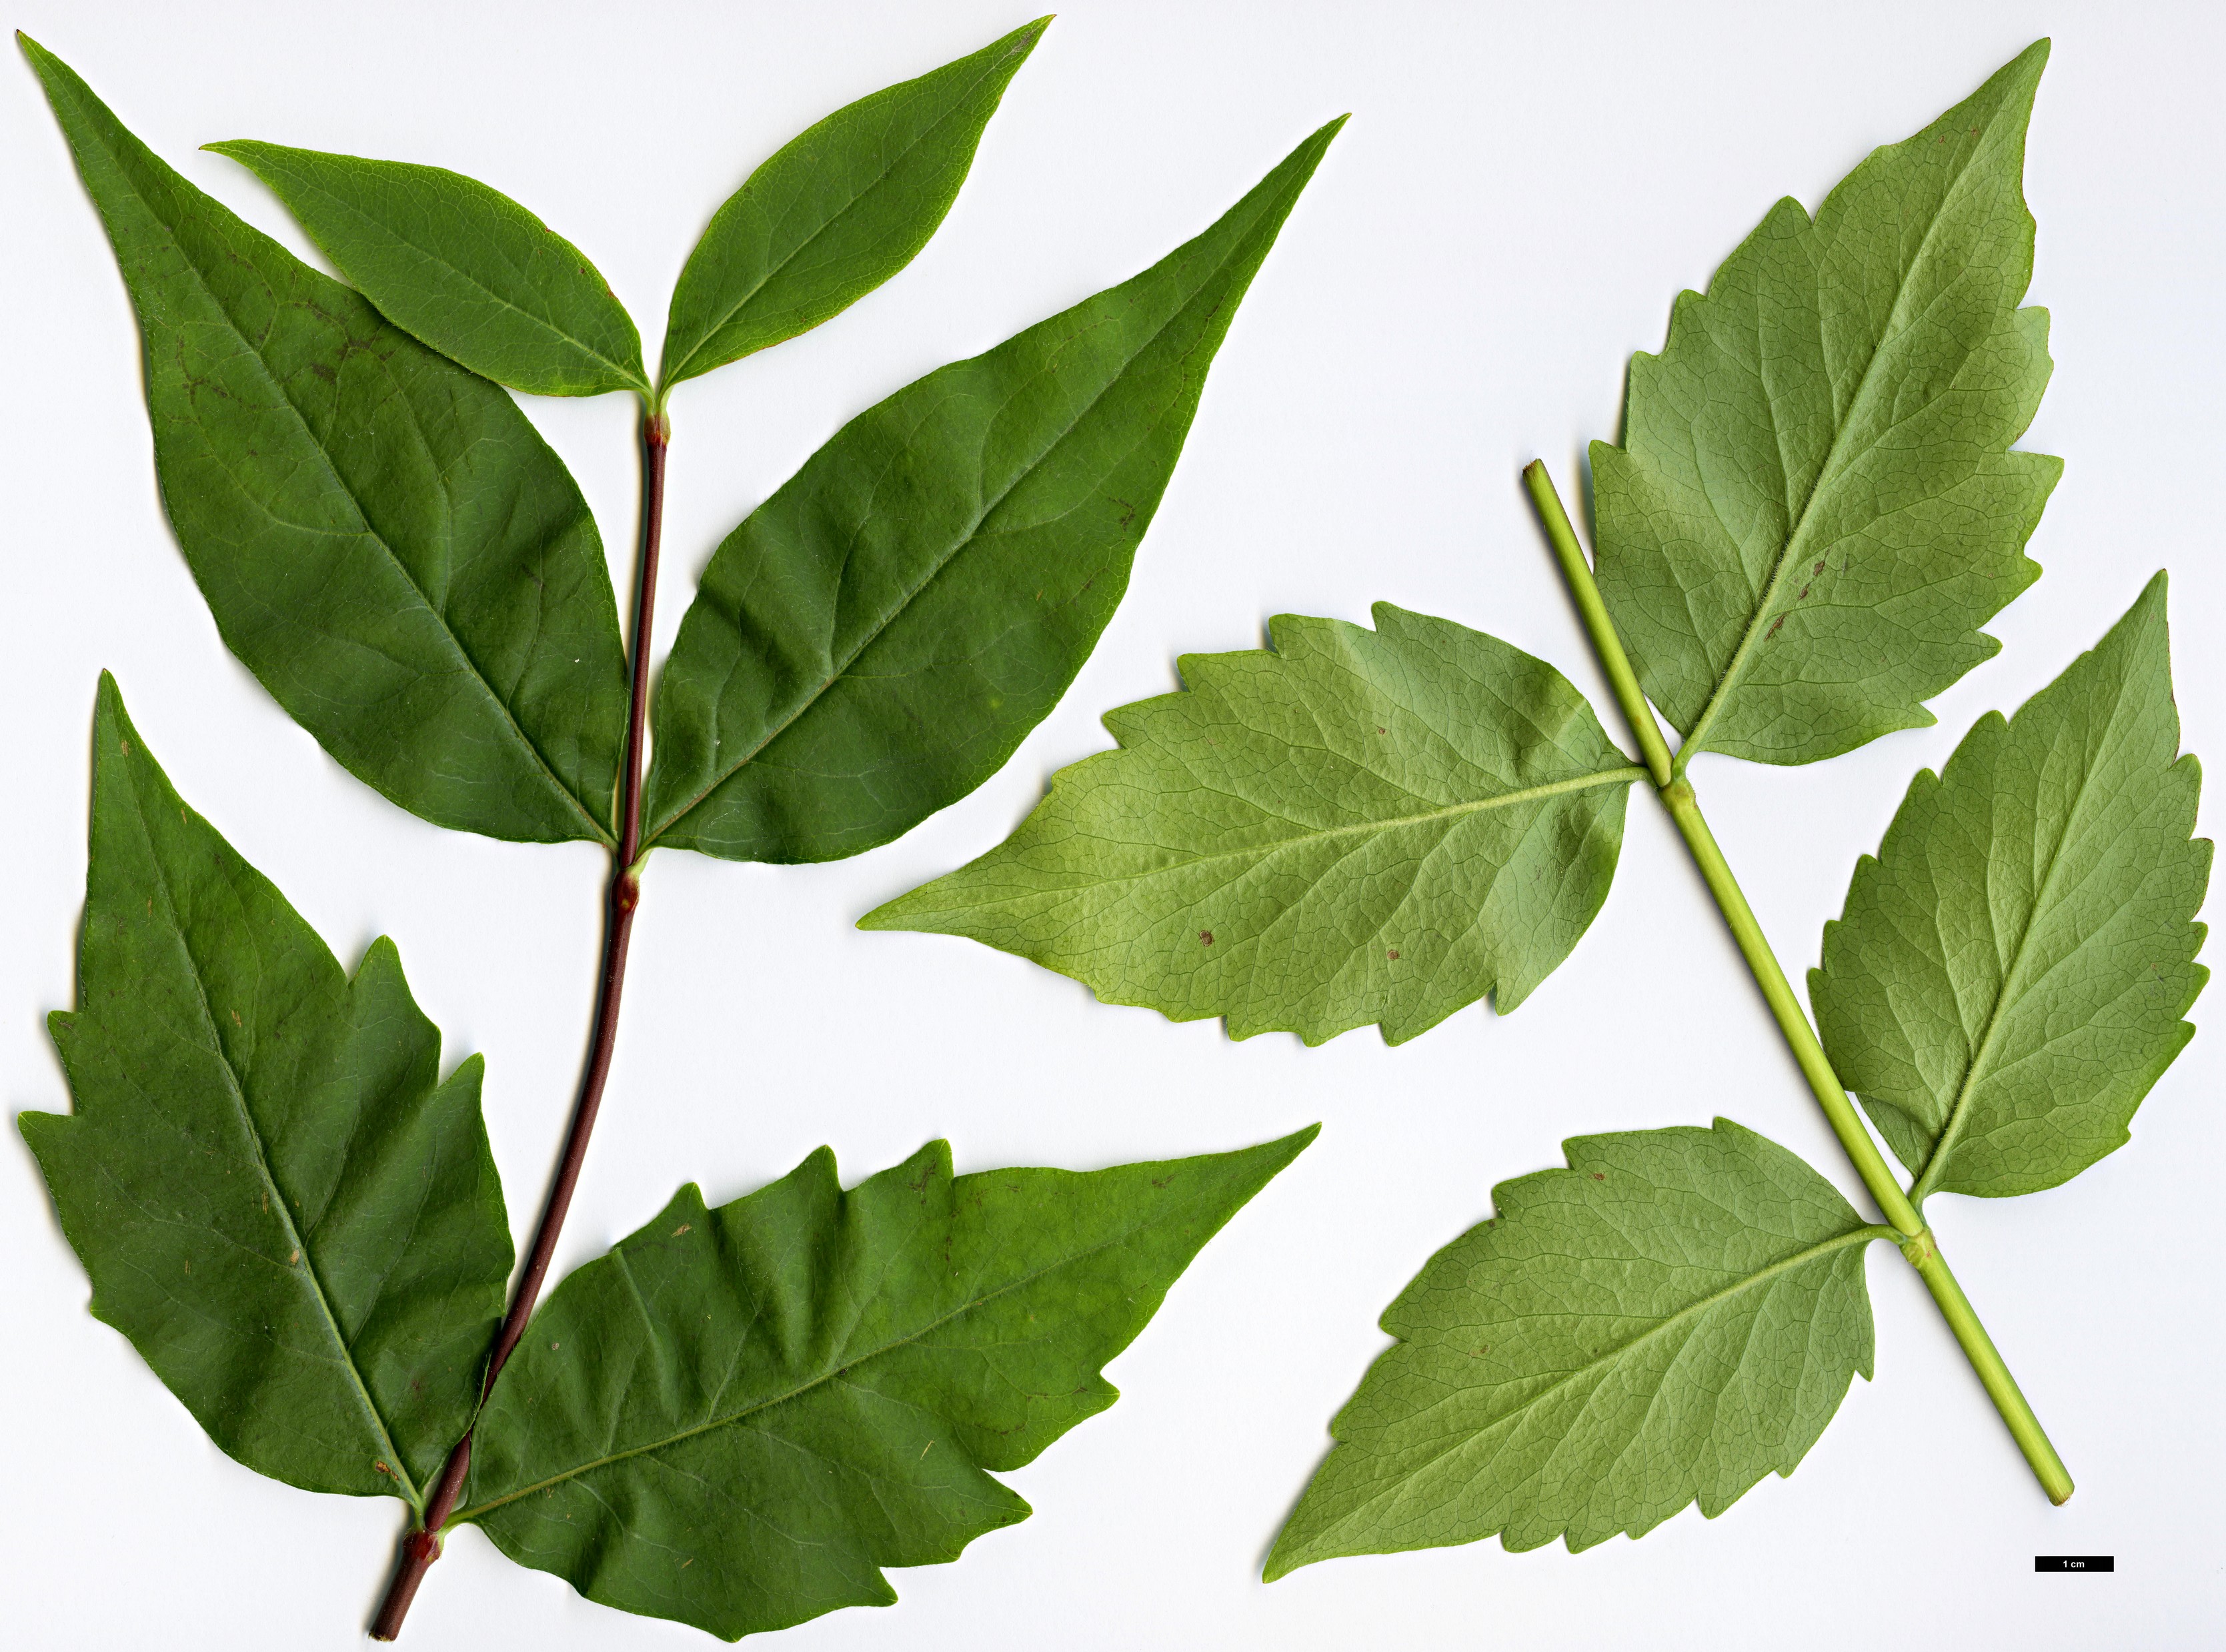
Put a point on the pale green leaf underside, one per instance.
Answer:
(1816, 507)
(2010, 974)
(836, 212)
(461, 268)
(877, 637)
(1676, 1315)
(738, 1416)
(382, 536)
(1362, 826)
(278, 1201)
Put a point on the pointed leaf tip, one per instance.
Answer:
(1797, 558)
(2011, 973)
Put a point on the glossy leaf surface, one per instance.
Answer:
(279, 1201)
(459, 266)
(2011, 972)
(382, 536)
(1673, 1316)
(1815, 506)
(874, 640)
(1362, 826)
(739, 1415)
(836, 212)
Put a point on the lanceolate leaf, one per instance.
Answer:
(382, 536)
(1362, 826)
(875, 639)
(836, 212)
(2010, 974)
(1815, 507)
(279, 1202)
(1671, 1317)
(460, 266)
(738, 1416)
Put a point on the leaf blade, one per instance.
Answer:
(2009, 976)
(803, 239)
(812, 1350)
(460, 266)
(876, 639)
(241, 1103)
(1542, 1385)
(1361, 827)
(1816, 504)
(383, 538)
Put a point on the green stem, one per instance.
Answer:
(1917, 1243)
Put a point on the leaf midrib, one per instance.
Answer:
(1827, 473)
(683, 369)
(123, 163)
(1857, 1235)
(836, 1373)
(961, 542)
(1621, 776)
(237, 1091)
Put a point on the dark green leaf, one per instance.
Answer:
(1362, 826)
(2010, 974)
(836, 212)
(1815, 507)
(738, 1416)
(874, 640)
(279, 1202)
(382, 536)
(460, 266)
(1675, 1315)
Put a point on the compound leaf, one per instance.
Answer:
(2010, 974)
(836, 212)
(459, 266)
(382, 536)
(279, 1201)
(739, 1415)
(874, 640)
(1816, 507)
(1672, 1317)
(1362, 826)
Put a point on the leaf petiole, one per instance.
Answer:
(1918, 1245)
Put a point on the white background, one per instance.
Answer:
(1520, 194)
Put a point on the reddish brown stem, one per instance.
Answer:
(423, 1546)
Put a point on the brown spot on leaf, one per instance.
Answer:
(1774, 625)
(294, 1258)
(1206, 936)
(1803, 597)
(1816, 570)
(1393, 955)
(235, 1018)
(682, 1228)
(1599, 1177)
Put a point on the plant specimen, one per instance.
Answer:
(1815, 506)
(732, 1418)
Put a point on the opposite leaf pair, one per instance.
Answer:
(733, 1418)
(1815, 506)
(386, 542)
